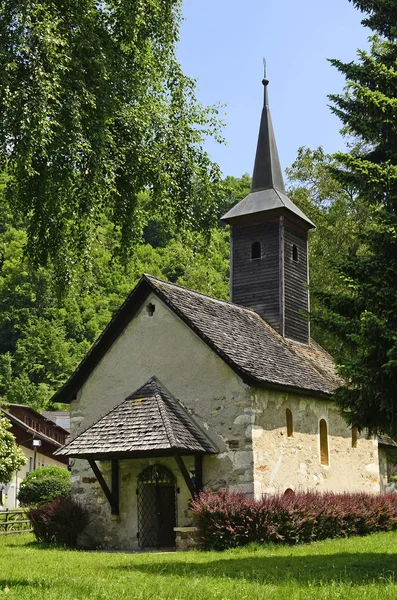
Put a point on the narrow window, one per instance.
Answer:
(294, 253)
(255, 251)
(324, 443)
(290, 425)
(30, 463)
(354, 437)
(150, 308)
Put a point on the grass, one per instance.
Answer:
(357, 568)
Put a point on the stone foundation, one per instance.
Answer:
(186, 538)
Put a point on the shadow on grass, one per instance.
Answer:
(11, 582)
(356, 569)
(32, 544)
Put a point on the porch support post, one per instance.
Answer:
(115, 487)
(114, 504)
(185, 474)
(198, 467)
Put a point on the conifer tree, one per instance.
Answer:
(364, 315)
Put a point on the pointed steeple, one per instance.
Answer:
(268, 244)
(267, 190)
(267, 169)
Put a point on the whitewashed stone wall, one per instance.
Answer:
(216, 398)
(107, 530)
(385, 486)
(248, 426)
(282, 462)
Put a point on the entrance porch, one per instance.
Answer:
(143, 463)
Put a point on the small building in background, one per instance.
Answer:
(59, 417)
(38, 437)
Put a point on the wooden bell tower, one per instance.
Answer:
(268, 250)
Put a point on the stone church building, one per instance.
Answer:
(183, 392)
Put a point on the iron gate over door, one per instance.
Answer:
(156, 507)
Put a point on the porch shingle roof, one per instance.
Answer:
(148, 421)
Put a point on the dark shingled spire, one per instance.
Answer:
(267, 170)
(267, 190)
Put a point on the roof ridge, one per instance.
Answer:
(186, 419)
(166, 421)
(279, 193)
(186, 289)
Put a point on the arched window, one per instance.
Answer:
(289, 492)
(354, 437)
(324, 457)
(294, 252)
(256, 251)
(290, 424)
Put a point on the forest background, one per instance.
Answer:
(105, 175)
(44, 333)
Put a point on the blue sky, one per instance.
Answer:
(222, 45)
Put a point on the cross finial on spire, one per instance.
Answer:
(265, 82)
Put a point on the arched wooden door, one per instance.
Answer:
(156, 507)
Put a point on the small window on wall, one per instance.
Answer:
(324, 455)
(256, 251)
(294, 252)
(150, 308)
(290, 424)
(354, 437)
(30, 463)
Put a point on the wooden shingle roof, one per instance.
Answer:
(147, 422)
(250, 345)
(253, 349)
(386, 441)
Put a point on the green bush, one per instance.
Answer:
(44, 485)
(59, 522)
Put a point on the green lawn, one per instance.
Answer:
(357, 568)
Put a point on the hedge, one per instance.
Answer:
(44, 485)
(229, 519)
(59, 522)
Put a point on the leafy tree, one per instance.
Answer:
(43, 335)
(44, 485)
(11, 457)
(95, 109)
(364, 313)
(234, 189)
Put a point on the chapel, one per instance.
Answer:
(183, 391)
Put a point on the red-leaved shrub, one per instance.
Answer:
(229, 519)
(59, 522)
